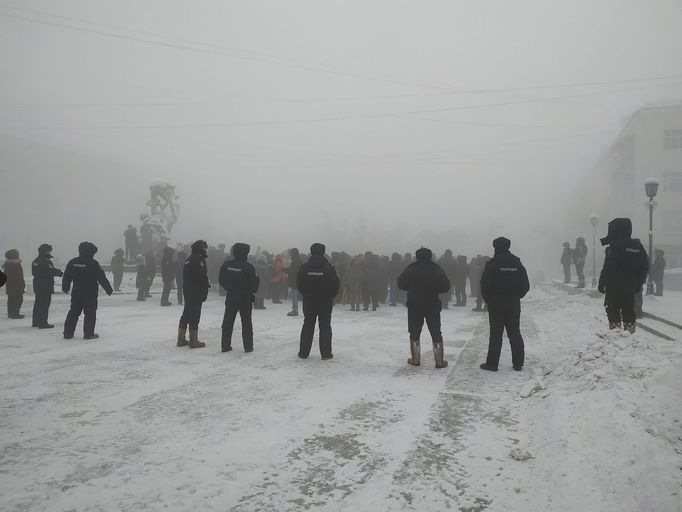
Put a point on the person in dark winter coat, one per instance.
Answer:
(460, 283)
(354, 283)
(117, 262)
(579, 257)
(292, 273)
(657, 271)
(423, 281)
(141, 279)
(395, 267)
(131, 241)
(195, 291)
(167, 275)
(240, 281)
(625, 269)
(263, 271)
(16, 286)
(150, 265)
(503, 284)
(475, 271)
(449, 266)
(87, 276)
(318, 284)
(371, 281)
(566, 260)
(43, 286)
(179, 265)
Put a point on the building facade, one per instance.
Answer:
(649, 145)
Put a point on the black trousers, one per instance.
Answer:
(118, 279)
(461, 293)
(14, 303)
(149, 287)
(41, 307)
(505, 315)
(620, 306)
(567, 272)
(191, 315)
(320, 312)
(416, 314)
(276, 290)
(370, 296)
(244, 308)
(165, 294)
(179, 286)
(659, 287)
(81, 304)
(581, 275)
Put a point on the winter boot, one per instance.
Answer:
(194, 339)
(614, 325)
(629, 326)
(415, 351)
(438, 355)
(92, 336)
(485, 366)
(293, 312)
(352, 307)
(182, 340)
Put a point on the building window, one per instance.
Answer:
(673, 139)
(672, 182)
(672, 222)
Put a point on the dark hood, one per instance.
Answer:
(423, 254)
(396, 257)
(240, 251)
(317, 261)
(119, 252)
(501, 244)
(619, 229)
(87, 250)
(317, 249)
(448, 253)
(199, 247)
(45, 250)
(168, 252)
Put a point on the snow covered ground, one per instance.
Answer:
(130, 422)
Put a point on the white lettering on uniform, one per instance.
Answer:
(79, 265)
(630, 249)
(508, 269)
(315, 273)
(232, 269)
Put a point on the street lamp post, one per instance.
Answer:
(594, 220)
(651, 188)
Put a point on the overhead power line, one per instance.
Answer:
(335, 118)
(284, 61)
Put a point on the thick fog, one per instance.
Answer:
(380, 125)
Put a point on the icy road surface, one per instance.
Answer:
(132, 423)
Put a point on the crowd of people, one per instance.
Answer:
(424, 285)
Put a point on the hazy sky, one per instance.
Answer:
(279, 121)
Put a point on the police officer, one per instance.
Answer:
(423, 281)
(318, 284)
(87, 276)
(625, 269)
(43, 285)
(240, 281)
(195, 291)
(503, 284)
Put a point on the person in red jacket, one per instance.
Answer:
(277, 280)
(15, 284)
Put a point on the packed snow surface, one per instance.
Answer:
(130, 422)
